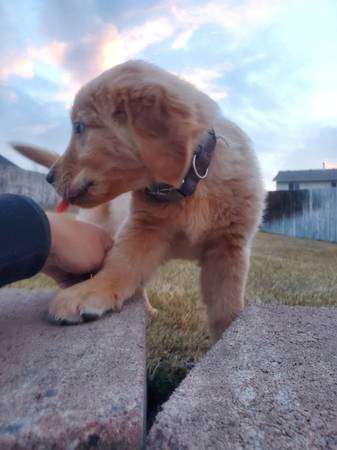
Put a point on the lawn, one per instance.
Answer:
(285, 270)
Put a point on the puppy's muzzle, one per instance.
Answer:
(75, 193)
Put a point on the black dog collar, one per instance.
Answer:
(202, 155)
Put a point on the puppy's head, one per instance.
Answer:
(126, 133)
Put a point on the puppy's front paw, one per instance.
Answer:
(82, 303)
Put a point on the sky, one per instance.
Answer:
(270, 64)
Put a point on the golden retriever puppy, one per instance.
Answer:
(196, 189)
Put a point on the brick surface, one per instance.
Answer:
(76, 387)
(269, 383)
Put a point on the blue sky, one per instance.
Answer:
(271, 65)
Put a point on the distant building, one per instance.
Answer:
(329, 165)
(294, 180)
(15, 180)
(5, 163)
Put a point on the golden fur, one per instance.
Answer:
(142, 124)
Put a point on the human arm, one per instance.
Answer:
(31, 240)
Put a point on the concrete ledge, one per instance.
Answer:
(74, 387)
(270, 383)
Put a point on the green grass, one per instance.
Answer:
(285, 270)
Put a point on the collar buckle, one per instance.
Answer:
(196, 173)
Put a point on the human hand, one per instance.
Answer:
(77, 249)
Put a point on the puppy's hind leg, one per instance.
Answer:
(223, 278)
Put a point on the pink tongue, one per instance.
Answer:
(62, 206)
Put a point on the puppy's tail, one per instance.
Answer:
(39, 155)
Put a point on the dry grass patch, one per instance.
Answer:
(292, 271)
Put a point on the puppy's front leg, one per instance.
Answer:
(223, 278)
(137, 252)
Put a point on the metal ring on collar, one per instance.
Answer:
(201, 177)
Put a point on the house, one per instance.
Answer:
(294, 180)
(5, 163)
(15, 180)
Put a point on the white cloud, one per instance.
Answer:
(240, 19)
(151, 32)
(206, 80)
(94, 52)
(117, 47)
(23, 64)
(52, 53)
(16, 65)
(183, 38)
(80, 61)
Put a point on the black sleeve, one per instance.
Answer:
(24, 238)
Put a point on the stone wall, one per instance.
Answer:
(33, 184)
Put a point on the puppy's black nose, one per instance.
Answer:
(50, 176)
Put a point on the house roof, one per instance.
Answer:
(306, 175)
(4, 162)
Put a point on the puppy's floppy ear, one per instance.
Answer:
(164, 127)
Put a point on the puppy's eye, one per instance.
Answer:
(79, 127)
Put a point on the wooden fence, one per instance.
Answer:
(308, 214)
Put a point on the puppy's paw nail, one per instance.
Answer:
(90, 314)
(60, 321)
(118, 306)
(89, 317)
